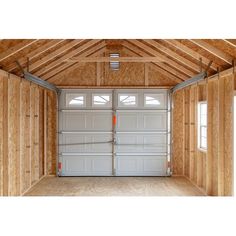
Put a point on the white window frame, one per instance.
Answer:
(120, 104)
(68, 99)
(108, 105)
(200, 126)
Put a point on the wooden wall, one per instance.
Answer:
(212, 170)
(27, 134)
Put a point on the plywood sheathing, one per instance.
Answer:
(51, 133)
(178, 134)
(22, 136)
(212, 170)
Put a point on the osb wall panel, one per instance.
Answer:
(25, 136)
(178, 133)
(228, 134)
(41, 132)
(22, 134)
(51, 133)
(14, 135)
(211, 170)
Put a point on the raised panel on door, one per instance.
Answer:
(141, 165)
(79, 165)
(86, 121)
(141, 121)
(139, 142)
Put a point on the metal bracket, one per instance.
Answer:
(37, 80)
(193, 80)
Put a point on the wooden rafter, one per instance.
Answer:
(54, 54)
(172, 72)
(213, 50)
(15, 49)
(190, 52)
(162, 57)
(231, 42)
(71, 66)
(35, 53)
(67, 56)
(173, 54)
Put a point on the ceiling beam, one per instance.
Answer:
(116, 59)
(190, 52)
(67, 56)
(162, 57)
(173, 54)
(15, 49)
(35, 53)
(70, 66)
(213, 50)
(54, 54)
(177, 76)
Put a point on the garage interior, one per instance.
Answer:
(127, 117)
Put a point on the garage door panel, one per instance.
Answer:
(85, 142)
(141, 165)
(141, 142)
(86, 121)
(86, 165)
(141, 121)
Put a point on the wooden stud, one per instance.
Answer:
(98, 80)
(14, 136)
(146, 72)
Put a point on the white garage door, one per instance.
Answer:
(114, 132)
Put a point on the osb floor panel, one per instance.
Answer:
(114, 186)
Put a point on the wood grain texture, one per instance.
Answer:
(212, 171)
(228, 134)
(25, 148)
(178, 132)
(41, 132)
(114, 186)
(1, 134)
(51, 133)
(14, 136)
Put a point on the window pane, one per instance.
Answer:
(203, 107)
(152, 100)
(75, 100)
(102, 100)
(203, 143)
(203, 120)
(127, 100)
(203, 132)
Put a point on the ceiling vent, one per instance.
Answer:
(114, 65)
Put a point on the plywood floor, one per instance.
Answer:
(114, 186)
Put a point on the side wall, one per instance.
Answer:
(27, 134)
(212, 171)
